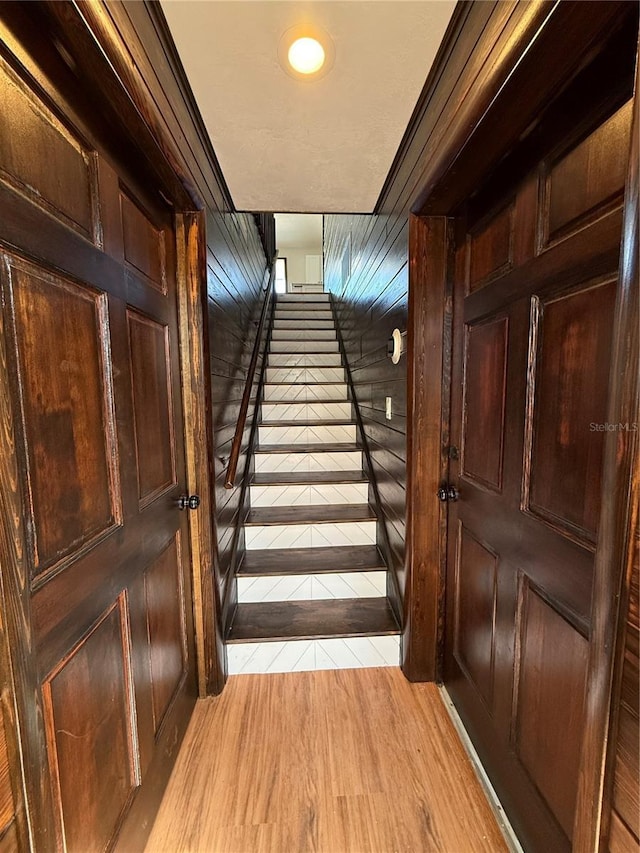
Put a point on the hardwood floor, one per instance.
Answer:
(342, 761)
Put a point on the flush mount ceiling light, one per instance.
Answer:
(306, 55)
(306, 52)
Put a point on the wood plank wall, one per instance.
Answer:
(366, 256)
(369, 281)
(235, 279)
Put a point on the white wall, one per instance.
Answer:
(296, 263)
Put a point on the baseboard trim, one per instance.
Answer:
(496, 806)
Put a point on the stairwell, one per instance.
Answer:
(312, 584)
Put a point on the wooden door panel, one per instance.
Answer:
(475, 617)
(549, 702)
(61, 331)
(490, 249)
(166, 628)
(534, 299)
(36, 148)
(90, 727)
(152, 406)
(571, 345)
(144, 244)
(588, 180)
(94, 395)
(485, 374)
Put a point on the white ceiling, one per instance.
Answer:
(323, 145)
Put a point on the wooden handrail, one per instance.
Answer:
(236, 446)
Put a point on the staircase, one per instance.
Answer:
(312, 585)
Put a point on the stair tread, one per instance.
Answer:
(265, 562)
(304, 478)
(315, 514)
(325, 447)
(304, 383)
(289, 620)
(309, 423)
(303, 402)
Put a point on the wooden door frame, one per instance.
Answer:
(535, 74)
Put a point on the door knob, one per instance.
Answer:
(188, 501)
(448, 493)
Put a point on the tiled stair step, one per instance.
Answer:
(310, 526)
(319, 410)
(309, 494)
(305, 374)
(304, 346)
(301, 359)
(293, 298)
(303, 587)
(301, 433)
(303, 334)
(307, 314)
(303, 307)
(308, 655)
(303, 323)
(296, 620)
(305, 392)
(268, 562)
(311, 458)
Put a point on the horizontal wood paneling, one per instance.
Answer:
(370, 303)
(235, 279)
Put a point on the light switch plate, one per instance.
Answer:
(387, 408)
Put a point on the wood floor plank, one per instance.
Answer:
(342, 761)
(303, 620)
(313, 561)
(315, 514)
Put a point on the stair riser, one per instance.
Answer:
(348, 460)
(310, 655)
(307, 435)
(312, 587)
(303, 335)
(317, 411)
(283, 359)
(310, 495)
(297, 298)
(305, 374)
(305, 393)
(307, 314)
(310, 535)
(305, 346)
(303, 324)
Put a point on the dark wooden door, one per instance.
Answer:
(90, 367)
(535, 285)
